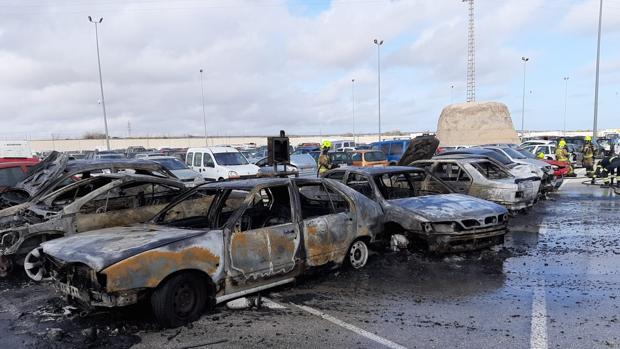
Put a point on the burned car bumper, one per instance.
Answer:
(96, 298)
(464, 235)
(467, 241)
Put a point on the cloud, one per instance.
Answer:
(266, 67)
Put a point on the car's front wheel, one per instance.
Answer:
(358, 254)
(180, 299)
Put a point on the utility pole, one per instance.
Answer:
(471, 55)
(353, 108)
(105, 117)
(204, 113)
(565, 100)
(598, 61)
(524, 59)
(379, 43)
(128, 129)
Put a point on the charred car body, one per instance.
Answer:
(97, 202)
(56, 171)
(521, 171)
(418, 204)
(485, 179)
(217, 242)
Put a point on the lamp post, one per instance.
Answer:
(565, 100)
(598, 61)
(105, 117)
(451, 94)
(204, 113)
(379, 43)
(524, 59)
(353, 108)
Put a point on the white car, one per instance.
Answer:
(536, 142)
(547, 149)
(220, 163)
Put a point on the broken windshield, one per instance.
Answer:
(409, 184)
(192, 211)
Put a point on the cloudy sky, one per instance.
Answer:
(288, 64)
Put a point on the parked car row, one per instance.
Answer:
(187, 235)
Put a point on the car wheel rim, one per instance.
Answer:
(358, 255)
(33, 265)
(184, 300)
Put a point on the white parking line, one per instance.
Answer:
(538, 333)
(363, 333)
(268, 303)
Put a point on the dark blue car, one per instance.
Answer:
(393, 149)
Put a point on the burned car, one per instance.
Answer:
(485, 179)
(56, 171)
(423, 207)
(97, 202)
(217, 242)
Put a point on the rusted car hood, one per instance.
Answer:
(448, 207)
(101, 248)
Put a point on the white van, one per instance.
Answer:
(15, 149)
(343, 144)
(220, 163)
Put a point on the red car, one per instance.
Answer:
(19, 160)
(560, 168)
(14, 172)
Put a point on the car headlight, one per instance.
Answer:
(555, 168)
(233, 174)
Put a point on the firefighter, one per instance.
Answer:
(588, 156)
(608, 169)
(561, 154)
(325, 162)
(540, 155)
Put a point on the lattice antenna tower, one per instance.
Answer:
(471, 55)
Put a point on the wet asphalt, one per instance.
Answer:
(554, 284)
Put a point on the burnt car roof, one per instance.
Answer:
(380, 170)
(246, 183)
(140, 177)
(478, 152)
(85, 165)
(463, 157)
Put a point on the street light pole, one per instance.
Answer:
(204, 113)
(353, 108)
(565, 100)
(379, 43)
(451, 94)
(105, 117)
(524, 59)
(598, 61)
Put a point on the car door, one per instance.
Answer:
(197, 163)
(264, 239)
(328, 223)
(454, 176)
(209, 171)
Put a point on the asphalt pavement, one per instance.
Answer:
(554, 284)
